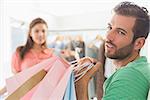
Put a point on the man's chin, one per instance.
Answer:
(110, 56)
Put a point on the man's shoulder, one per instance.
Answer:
(134, 73)
(128, 82)
(141, 65)
(144, 69)
(124, 73)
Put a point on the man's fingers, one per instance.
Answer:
(93, 70)
(87, 59)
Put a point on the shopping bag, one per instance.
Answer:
(27, 86)
(17, 80)
(54, 84)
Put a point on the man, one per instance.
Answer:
(127, 32)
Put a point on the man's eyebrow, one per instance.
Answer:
(122, 30)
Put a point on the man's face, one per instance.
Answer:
(119, 37)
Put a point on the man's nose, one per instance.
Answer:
(110, 35)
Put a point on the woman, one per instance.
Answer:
(34, 51)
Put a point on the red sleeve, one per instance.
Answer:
(16, 62)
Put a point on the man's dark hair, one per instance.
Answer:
(141, 26)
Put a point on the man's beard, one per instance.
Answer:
(121, 53)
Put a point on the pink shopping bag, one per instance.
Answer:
(27, 86)
(52, 87)
(17, 80)
(54, 84)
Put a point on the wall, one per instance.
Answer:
(4, 42)
(94, 20)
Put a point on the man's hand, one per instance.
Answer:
(82, 84)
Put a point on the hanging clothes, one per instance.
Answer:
(70, 93)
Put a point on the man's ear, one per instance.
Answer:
(139, 43)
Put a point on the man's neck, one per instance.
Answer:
(123, 62)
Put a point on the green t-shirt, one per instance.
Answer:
(131, 82)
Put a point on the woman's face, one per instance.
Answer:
(38, 33)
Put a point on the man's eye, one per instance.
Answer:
(122, 33)
(109, 28)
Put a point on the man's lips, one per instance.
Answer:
(109, 45)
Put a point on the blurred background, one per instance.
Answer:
(68, 20)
